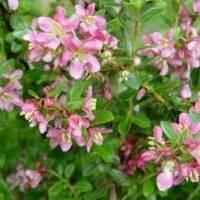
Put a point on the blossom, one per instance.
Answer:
(34, 178)
(76, 126)
(33, 115)
(76, 43)
(60, 136)
(90, 104)
(90, 23)
(81, 55)
(10, 94)
(47, 38)
(95, 135)
(24, 178)
(13, 4)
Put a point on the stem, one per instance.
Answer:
(156, 95)
(69, 186)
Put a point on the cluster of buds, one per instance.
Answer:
(26, 178)
(176, 52)
(177, 157)
(77, 43)
(10, 90)
(62, 126)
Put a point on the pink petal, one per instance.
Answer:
(45, 24)
(91, 9)
(76, 69)
(184, 119)
(93, 45)
(164, 181)
(93, 64)
(186, 92)
(100, 21)
(195, 128)
(43, 127)
(196, 5)
(72, 43)
(80, 11)
(65, 146)
(157, 133)
(60, 14)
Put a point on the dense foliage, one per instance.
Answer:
(99, 99)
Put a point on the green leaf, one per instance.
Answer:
(133, 82)
(114, 25)
(77, 90)
(148, 188)
(141, 120)
(2, 160)
(124, 125)
(195, 117)
(69, 170)
(33, 94)
(102, 117)
(19, 34)
(56, 189)
(168, 130)
(97, 194)
(107, 150)
(58, 90)
(120, 177)
(7, 65)
(75, 104)
(83, 186)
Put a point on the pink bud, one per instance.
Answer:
(186, 92)
(141, 94)
(13, 4)
(157, 133)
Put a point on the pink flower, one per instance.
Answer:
(33, 115)
(196, 5)
(76, 126)
(90, 104)
(56, 40)
(96, 136)
(13, 4)
(80, 53)
(34, 178)
(10, 94)
(164, 180)
(47, 37)
(24, 178)
(90, 23)
(60, 136)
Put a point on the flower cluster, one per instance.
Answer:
(176, 158)
(62, 126)
(10, 91)
(25, 178)
(177, 51)
(75, 43)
